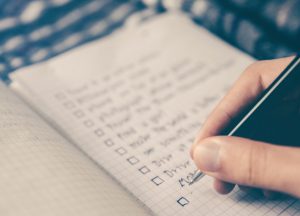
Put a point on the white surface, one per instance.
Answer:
(43, 174)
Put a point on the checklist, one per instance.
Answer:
(135, 113)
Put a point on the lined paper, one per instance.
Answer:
(135, 101)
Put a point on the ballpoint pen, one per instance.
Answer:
(274, 117)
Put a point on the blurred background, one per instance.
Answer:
(33, 31)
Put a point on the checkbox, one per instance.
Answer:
(79, 113)
(157, 180)
(109, 143)
(88, 123)
(133, 160)
(60, 96)
(144, 170)
(99, 132)
(183, 201)
(121, 151)
(69, 105)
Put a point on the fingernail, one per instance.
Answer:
(193, 149)
(196, 141)
(207, 156)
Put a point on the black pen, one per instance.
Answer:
(274, 117)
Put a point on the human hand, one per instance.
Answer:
(243, 161)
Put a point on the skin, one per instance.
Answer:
(245, 162)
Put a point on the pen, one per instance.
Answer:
(274, 117)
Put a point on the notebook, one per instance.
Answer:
(106, 128)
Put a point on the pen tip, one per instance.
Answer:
(197, 177)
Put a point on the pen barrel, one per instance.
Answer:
(275, 116)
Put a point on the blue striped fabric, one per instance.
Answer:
(33, 31)
(232, 26)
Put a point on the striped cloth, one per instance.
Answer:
(240, 28)
(33, 31)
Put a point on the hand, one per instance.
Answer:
(242, 161)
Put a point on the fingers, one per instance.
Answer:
(250, 163)
(266, 193)
(223, 187)
(253, 81)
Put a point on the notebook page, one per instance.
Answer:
(135, 101)
(43, 174)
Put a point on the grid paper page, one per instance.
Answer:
(43, 174)
(134, 102)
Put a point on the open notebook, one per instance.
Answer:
(106, 128)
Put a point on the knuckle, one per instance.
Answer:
(253, 68)
(255, 173)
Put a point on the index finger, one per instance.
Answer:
(256, 78)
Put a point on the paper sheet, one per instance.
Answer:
(134, 103)
(43, 174)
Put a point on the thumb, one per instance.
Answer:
(250, 163)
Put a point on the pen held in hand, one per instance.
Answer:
(274, 117)
(198, 176)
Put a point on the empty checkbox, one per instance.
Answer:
(121, 151)
(157, 180)
(69, 105)
(99, 132)
(79, 113)
(133, 160)
(183, 201)
(88, 123)
(109, 143)
(144, 170)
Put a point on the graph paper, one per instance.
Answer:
(135, 101)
